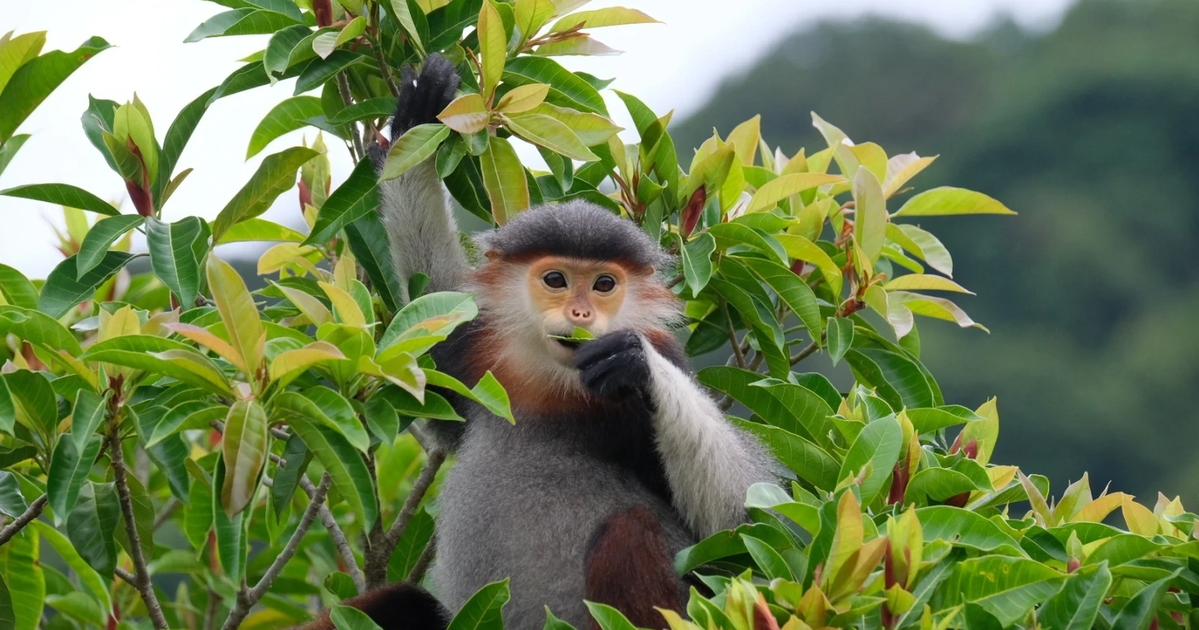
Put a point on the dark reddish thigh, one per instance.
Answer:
(629, 567)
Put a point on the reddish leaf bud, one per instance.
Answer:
(1073, 565)
(692, 211)
(763, 619)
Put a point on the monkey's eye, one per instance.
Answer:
(604, 284)
(554, 280)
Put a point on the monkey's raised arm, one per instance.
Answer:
(709, 463)
(420, 223)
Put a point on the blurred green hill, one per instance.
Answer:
(1091, 132)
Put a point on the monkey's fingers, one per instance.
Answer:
(423, 96)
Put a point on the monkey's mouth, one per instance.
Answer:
(570, 344)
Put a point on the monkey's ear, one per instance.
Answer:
(493, 254)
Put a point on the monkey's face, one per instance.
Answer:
(568, 293)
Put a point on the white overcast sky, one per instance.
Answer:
(674, 65)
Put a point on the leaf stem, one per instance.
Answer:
(343, 88)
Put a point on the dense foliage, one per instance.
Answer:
(1090, 294)
(171, 440)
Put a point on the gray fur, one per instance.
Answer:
(421, 228)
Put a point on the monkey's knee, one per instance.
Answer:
(394, 607)
(629, 567)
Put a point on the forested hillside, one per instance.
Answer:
(1089, 131)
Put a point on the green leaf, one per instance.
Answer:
(697, 261)
(608, 16)
(36, 407)
(371, 108)
(244, 448)
(877, 445)
(86, 416)
(357, 197)
(347, 617)
(732, 234)
(416, 538)
(276, 175)
(1076, 606)
(287, 47)
(12, 502)
(368, 241)
(930, 419)
(327, 407)
(923, 245)
(38, 329)
(897, 378)
(792, 290)
(483, 610)
(63, 195)
(566, 88)
(87, 575)
(100, 237)
(36, 79)
(25, 579)
(608, 617)
(8, 617)
(238, 311)
(176, 139)
(840, 337)
(176, 250)
(65, 288)
(414, 147)
(493, 47)
(504, 179)
(870, 214)
(69, 467)
(768, 560)
(1141, 611)
(246, 21)
(287, 116)
(1008, 588)
(321, 70)
(783, 187)
(965, 529)
(16, 51)
(487, 392)
(230, 534)
(548, 132)
(804, 458)
(163, 357)
(287, 476)
(948, 200)
(16, 289)
(428, 320)
(939, 484)
(260, 230)
(8, 150)
(93, 522)
(341, 460)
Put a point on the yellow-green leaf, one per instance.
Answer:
(493, 46)
(466, 114)
(295, 361)
(522, 98)
(415, 146)
(611, 16)
(210, 340)
(548, 132)
(531, 15)
(244, 448)
(924, 282)
(591, 128)
(238, 312)
(870, 214)
(800, 248)
(783, 187)
(504, 179)
(312, 308)
(344, 306)
(901, 168)
(949, 200)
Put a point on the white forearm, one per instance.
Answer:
(709, 464)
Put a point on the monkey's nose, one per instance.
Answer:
(581, 314)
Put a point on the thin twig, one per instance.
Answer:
(377, 564)
(421, 437)
(125, 575)
(675, 280)
(15, 527)
(805, 353)
(143, 584)
(214, 606)
(167, 511)
(383, 69)
(343, 88)
(738, 354)
(339, 539)
(247, 598)
(422, 563)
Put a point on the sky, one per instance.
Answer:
(673, 65)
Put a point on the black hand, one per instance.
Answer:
(613, 366)
(423, 97)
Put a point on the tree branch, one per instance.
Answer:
(15, 527)
(343, 88)
(142, 574)
(381, 553)
(803, 354)
(423, 562)
(247, 598)
(339, 539)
